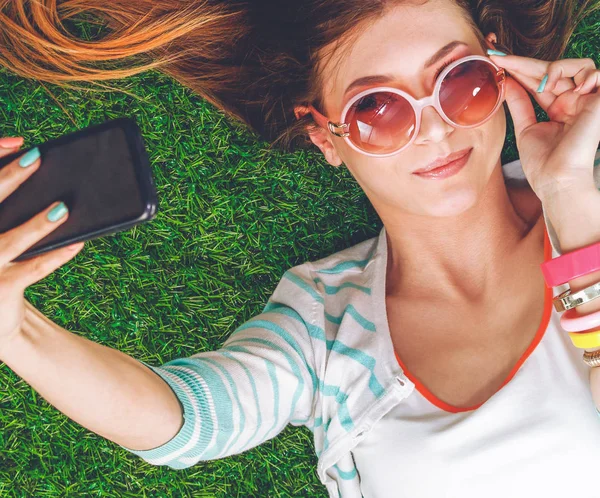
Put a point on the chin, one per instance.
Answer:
(452, 203)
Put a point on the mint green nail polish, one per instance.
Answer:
(495, 52)
(29, 157)
(57, 212)
(542, 84)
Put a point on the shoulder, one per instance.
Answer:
(348, 264)
(315, 284)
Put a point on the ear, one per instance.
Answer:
(321, 138)
(491, 39)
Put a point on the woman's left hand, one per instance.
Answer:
(556, 155)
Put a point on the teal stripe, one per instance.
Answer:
(283, 334)
(326, 432)
(207, 425)
(333, 289)
(282, 309)
(254, 392)
(318, 333)
(341, 397)
(292, 277)
(233, 387)
(349, 264)
(596, 162)
(190, 421)
(326, 389)
(292, 363)
(364, 359)
(347, 476)
(275, 382)
(222, 404)
(346, 265)
(351, 310)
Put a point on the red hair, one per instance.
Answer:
(254, 60)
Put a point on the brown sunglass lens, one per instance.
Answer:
(469, 92)
(381, 122)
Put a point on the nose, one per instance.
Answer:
(433, 127)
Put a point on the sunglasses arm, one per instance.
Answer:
(323, 122)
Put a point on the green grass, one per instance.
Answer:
(233, 217)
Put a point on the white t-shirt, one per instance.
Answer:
(320, 356)
(522, 442)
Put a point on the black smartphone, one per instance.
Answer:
(103, 175)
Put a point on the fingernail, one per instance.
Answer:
(57, 212)
(10, 142)
(29, 158)
(495, 52)
(542, 84)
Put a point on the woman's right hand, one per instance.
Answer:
(16, 277)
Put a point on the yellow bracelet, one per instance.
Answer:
(585, 340)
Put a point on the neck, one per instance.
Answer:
(461, 258)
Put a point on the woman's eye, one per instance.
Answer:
(444, 66)
(374, 101)
(366, 103)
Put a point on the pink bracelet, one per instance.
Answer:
(571, 265)
(572, 321)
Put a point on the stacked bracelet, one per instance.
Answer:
(559, 271)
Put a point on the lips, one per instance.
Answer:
(442, 161)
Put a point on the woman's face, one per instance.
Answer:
(398, 46)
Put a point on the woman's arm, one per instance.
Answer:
(103, 389)
(208, 406)
(576, 219)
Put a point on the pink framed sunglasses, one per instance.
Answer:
(383, 121)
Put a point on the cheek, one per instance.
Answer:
(371, 173)
(349, 156)
(489, 140)
(498, 124)
(491, 134)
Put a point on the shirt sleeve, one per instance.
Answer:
(246, 392)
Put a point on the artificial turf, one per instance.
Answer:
(233, 216)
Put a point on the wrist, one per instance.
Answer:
(7, 343)
(33, 326)
(575, 216)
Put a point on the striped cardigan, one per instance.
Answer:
(319, 355)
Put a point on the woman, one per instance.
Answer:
(427, 361)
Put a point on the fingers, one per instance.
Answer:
(13, 174)
(23, 274)
(521, 109)
(526, 65)
(563, 74)
(545, 99)
(563, 70)
(590, 82)
(558, 98)
(9, 144)
(16, 241)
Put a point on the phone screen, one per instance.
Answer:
(93, 173)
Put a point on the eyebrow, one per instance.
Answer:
(384, 78)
